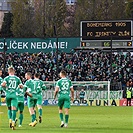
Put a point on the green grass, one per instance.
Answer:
(83, 119)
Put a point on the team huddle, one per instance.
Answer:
(15, 93)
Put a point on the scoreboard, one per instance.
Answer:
(100, 33)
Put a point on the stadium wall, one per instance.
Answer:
(113, 102)
(93, 98)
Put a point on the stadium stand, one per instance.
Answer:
(80, 65)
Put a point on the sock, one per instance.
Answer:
(66, 118)
(9, 114)
(35, 113)
(13, 123)
(61, 116)
(33, 117)
(13, 115)
(21, 119)
(40, 112)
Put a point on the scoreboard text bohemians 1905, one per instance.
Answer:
(99, 33)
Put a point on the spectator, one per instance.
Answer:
(82, 96)
(128, 92)
(80, 66)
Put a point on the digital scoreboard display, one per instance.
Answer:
(120, 30)
(107, 44)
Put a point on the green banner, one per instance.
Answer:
(35, 45)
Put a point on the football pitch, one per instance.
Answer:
(83, 119)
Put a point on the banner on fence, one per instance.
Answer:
(103, 95)
(35, 45)
(114, 102)
(90, 95)
(92, 98)
(123, 102)
(51, 101)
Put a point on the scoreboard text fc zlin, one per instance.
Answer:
(100, 33)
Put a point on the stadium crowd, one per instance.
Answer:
(80, 65)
